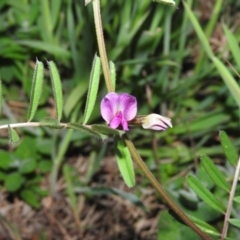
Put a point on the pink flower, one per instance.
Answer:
(156, 122)
(118, 109)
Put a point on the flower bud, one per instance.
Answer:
(156, 122)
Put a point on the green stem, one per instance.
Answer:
(101, 45)
(136, 157)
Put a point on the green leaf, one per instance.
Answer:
(13, 135)
(124, 162)
(45, 166)
(205, 227)
(228, 79)
(26, 149)
(235, 222)
(13, 182)
(5, 160)
(45, 145)
(36, 91)
(228, 148)
(113, 74)
(237, 199)
(50, 122)
(27, 166)
(105, 130)
(30, 197)
(205, 194)
(92, 88)
(233, 44)
(86, 130)
(57, 88)
(214, 173)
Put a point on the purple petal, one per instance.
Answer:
(119, 120)
(128, 106)
(109, 106)
(116, 121)
(124, 124)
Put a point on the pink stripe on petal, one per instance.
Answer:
(158, 128)
(128, 105)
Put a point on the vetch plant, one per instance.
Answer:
(119, 111)
(118, 115)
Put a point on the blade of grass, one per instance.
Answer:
(47, 47)
(55, 12)
(228, 79)
(199, 31)
(233, 44)
(72, 38)
(46, 21)
(208, 31)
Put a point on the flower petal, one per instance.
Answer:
(109, 106)
(128, 106)
(124, 124)
(156, 122)
(116, 121)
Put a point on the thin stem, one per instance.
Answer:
(136, 157)
(101, 45)
(27, 124)
(230, 201)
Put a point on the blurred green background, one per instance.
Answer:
(160, 60)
